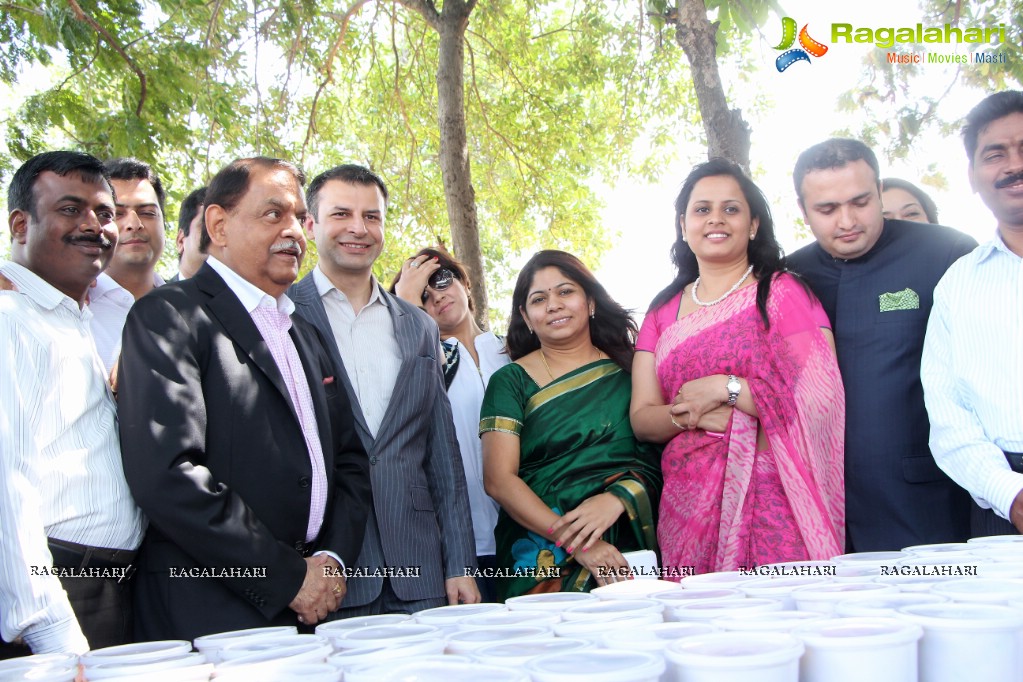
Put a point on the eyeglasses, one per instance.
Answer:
(439, 281)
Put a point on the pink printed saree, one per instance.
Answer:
(725, 505)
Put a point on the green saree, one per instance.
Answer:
(575, 442)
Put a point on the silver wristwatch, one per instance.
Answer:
(733, 387)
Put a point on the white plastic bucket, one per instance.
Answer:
(299, 672)
(386, 635)
(448, 617)
(309, 652)
(736, 657)
(779, 588)
(601, 665)
(886, 605)
(330, 628)
(968, 641)
(540, 619)
(439, 671)
(467, 641)
(141, 652)
(261, 644)
(372, 672)
(551, 601)
(707, 611)
(857, 649)
(824, 598)
(362, 656)
(41, 672)
(688, 596)
(614, 609)
(210, 645)
(635, 589)
(718, 579)
(517, 653)
(771, 621)
(593, 630)
(980, 590)
(117, 669)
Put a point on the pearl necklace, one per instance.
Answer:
(725, 295)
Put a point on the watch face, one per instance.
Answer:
(733, 386)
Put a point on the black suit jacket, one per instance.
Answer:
(895, 494)
(215, 457)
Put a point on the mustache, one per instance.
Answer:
(94, 240)
(1009, 180)
(287, 245)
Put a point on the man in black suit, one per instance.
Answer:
(875, 278)
(238, 440)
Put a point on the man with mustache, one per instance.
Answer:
(875, 278)
(131, 275)
(972, 366)
(68, 526)
(237, 438)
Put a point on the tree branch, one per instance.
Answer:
(426, 8)
(26, 10)
(328, 76)
(112, 42)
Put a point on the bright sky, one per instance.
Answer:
(803, 113)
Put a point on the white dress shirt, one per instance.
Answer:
(972, 373)
(466, 396)
(60, 458)
(110, 303)
(368, 347)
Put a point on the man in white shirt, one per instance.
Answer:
(139, 196)
(64, 501)
(419, 548)
(972, 367)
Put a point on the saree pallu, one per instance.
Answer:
(575, 442)
(724, 504)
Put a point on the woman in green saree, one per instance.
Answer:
(575, 487)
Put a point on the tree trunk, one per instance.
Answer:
(454, 150)
(728, 135)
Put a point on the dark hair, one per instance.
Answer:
(351, 173)
(20, 193)
(231, 183)
(446, 261)
(612, 328)
(930, 208)
(833, 153)
(133, 169)
(991, 108)
(764, 252)
(189, 209)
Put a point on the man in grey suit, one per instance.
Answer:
(419, 550)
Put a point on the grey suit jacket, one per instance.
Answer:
(421, 520)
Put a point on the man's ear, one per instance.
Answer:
(216, 224)
(17, 220)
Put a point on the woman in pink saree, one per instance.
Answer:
(735, 371)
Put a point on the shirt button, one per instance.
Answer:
(373, 459)
(303, 482)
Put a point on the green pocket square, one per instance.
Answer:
(906, 299)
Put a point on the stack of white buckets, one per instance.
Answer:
(933, 613)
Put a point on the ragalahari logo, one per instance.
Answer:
(809, 45)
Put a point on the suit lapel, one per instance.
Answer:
(310, 306)
(313, 374)
(238, 324)
(406, 334)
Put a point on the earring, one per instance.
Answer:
(593, 313)
(529, 328)
(752, 235)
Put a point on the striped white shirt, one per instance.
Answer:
(60, 458)
(972, 373)
(368, 346)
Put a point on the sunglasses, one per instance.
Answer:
(439, 281)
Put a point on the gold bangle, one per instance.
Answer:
(678, 426)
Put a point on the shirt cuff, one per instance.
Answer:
(333, 556)
(1004, 489)
(63, 637)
